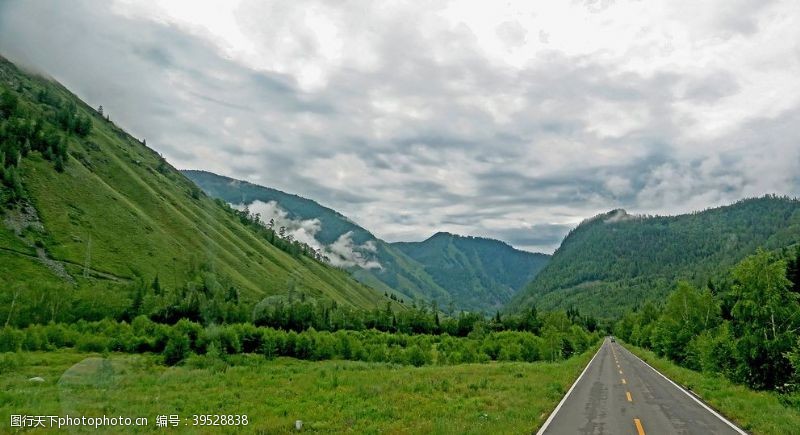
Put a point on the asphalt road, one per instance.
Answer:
(619, 394)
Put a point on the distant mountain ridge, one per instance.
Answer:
(470, 273)
(236, 191)
(475, 268)
(616, 261)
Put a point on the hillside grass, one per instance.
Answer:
(328, 396)
(121, 206)
(757, 412)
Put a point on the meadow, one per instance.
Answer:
(328, 396)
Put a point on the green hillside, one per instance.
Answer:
(469, 273)
(399, 275)
(475, 270)
(616, 261)
(241, 192)
(90, 214)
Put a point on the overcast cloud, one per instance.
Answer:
(512, 121)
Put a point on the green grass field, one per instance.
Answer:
(758, 412)
(329, 396)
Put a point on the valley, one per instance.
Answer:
(130, 286)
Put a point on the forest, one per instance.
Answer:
(611, 263)
(743, 325)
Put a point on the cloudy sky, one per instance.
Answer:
(513, 120)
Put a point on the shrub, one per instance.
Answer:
(177, 348)
(92, 343)
(418, 357)
(11, 339)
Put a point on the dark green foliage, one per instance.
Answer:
(766, 318)
(11, 339)
(32, 127)
(300, 316)
(746, 329)
(177, 348)
(8, 104)
(12, 180)
(614, 262)
(793, 270)
(178, 342)
(89, 343)
(71, 121)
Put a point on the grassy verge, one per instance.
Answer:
(329, 396)
(758, 412)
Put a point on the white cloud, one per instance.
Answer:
(464, 116)
(343, 252)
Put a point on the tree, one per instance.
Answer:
(59, 163)
(530, 321)
(177, 348)
(793, 271)
(8, 104)
(688, 313)
(83, 125)
(766, 318)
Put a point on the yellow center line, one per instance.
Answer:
(623, 381)
(639, 427)
(628, 393)
(620, 372)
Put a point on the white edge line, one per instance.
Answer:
(699, 402)
(564, 399)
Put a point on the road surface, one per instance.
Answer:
(619, 394)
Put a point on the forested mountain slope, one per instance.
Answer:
(465, 272)
(616, 261)
(94, 221)
(475, 269)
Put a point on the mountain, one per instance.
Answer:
(474, 269)
(88, 211)
(298, 208)
(616, 261)
(470, 273)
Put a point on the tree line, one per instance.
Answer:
(558, 339)
(743, 326)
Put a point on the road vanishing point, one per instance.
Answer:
(618, 393)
